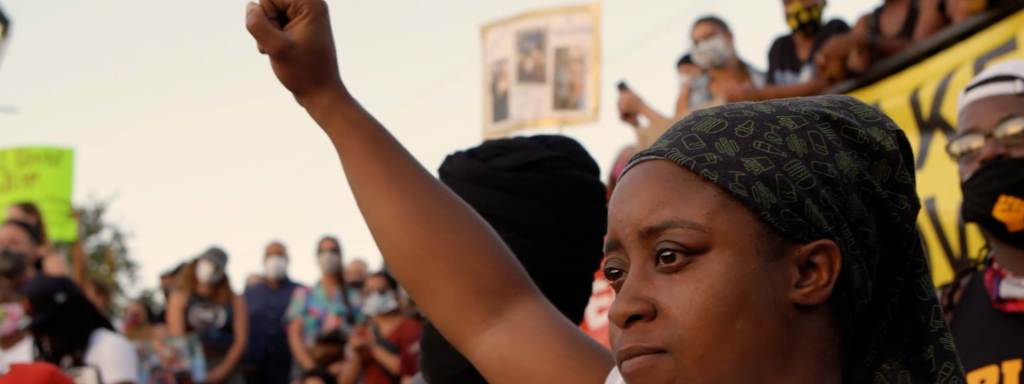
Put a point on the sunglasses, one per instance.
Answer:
(968, 146)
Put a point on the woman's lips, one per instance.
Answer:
(636, 357)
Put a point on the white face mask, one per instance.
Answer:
(275, 267)
(330, 262)
(684, 80)
(380, 303)
(712, 53)
(208, 273)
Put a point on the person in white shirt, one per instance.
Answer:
(71, 333)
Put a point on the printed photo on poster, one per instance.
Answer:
(500, 85)
(531, 47)
(541, 69)
(569, 78)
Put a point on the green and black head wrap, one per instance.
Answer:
(831, 167)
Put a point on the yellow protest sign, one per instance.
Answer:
(922, 99)
(41, 175)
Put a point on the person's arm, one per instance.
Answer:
(79, 267)
(391, 362)
(351, 369)
(465, 261)
(879, 47)
(630, 105)
(808, 88)
(176, 313)
(298, 347)
(930, 19)
(241, 333)
(683, 101)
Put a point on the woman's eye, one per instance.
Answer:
(668, 257)
(613, 274)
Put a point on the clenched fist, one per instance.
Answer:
(296, 35)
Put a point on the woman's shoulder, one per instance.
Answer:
(105, 343)
(113, 354)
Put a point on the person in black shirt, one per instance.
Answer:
(791, 57)
(985, 304)
(792, 71)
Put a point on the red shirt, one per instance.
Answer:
(406, 339)
(35, 373)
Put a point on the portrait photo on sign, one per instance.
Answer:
(500, 85)
(569, 78)
(531, 48)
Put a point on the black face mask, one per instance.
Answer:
(12, 264)
(994, 199)
(357, 285)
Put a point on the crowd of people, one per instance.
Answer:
(350, 327)
(735, 256)
(815, 55)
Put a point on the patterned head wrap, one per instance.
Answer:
(831, 167)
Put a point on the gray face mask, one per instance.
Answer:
(330, 262)
(712, 53)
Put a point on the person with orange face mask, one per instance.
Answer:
(985, 303)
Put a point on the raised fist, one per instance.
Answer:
(296, 34)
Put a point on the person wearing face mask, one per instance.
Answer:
(985, 303)
(356, 273)
(384, 350)
(724, 74)
(792, 59)
(322, 314)
(204, 304)
(20, 257)
(15, 341)
(70, 332)
(267, 357)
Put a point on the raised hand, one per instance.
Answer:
(296, 35)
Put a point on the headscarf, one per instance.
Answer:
(544, 197)
(831, 167)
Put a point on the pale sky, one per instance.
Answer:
(173, 113)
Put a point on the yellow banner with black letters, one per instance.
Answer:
(922, 99)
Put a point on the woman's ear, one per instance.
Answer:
(816, 266)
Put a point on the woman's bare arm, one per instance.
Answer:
(241, 334)
(444, 254)
(176, 306)
(298, 346)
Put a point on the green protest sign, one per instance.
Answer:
(41, 175)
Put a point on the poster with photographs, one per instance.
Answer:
(541, 69)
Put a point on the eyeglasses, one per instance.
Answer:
(968, 146)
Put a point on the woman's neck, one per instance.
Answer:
(387, 320)
(330, 283)
(204, 289)
(812, 353)
(732, 70)
(803, 44)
